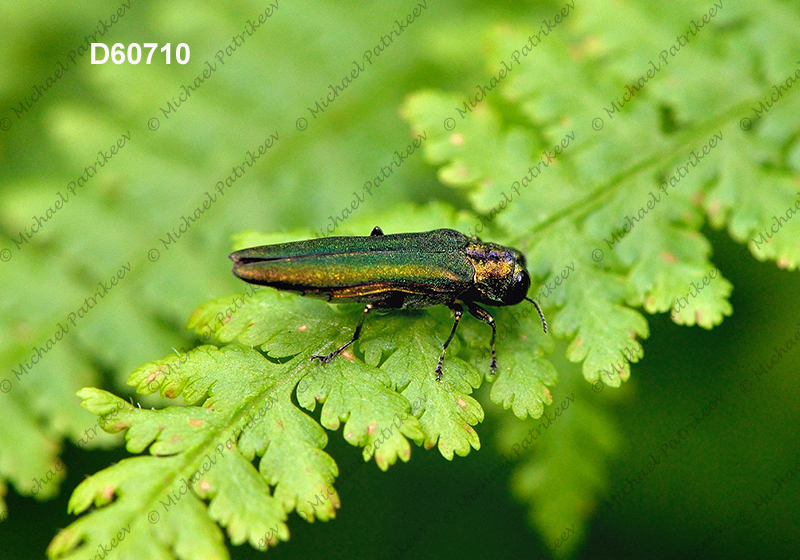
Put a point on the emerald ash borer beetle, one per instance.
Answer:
(405, 270)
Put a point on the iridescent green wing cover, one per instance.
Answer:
(402, 270)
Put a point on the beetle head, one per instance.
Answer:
(500, 274)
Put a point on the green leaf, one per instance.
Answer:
(204, 453)
(569, 188)
(383, 395)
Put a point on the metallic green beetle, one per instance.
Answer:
(406, 270)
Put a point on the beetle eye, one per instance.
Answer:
(519, 289)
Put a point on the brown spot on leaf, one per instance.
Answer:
(175, 439)
(669, 257)
(457, 139)
(195, 422)
(348, 355)
(371, 428)
(461, 402)
(204, 485)
(108, 492)
(783, 262)
(170, 394)
(302, 328)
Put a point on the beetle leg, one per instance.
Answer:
(356, 334)
(486, 317)
(458, 311)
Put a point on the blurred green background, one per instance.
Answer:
(697, 503)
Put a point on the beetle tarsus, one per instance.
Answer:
(356, 335)
(458, 311)
(481, 314)
(325, 359)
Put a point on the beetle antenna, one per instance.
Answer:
(541, 315)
